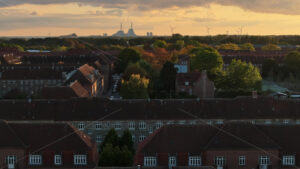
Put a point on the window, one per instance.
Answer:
(117, 126)
(131, 125)
(219, 122)
(158, 124)
(57, 160)
(81, 126)
(194, 161)
(286, 121)
(35, 159)
(98, 126)
(242, 160)
(186, 83)
(10, 161)
(268, 122)
(141, 138)
(98, 139)
(264, 160)
(172, 161)
(80, 159)
(288, 160)
(142, 125)
(133, 138)
(219, 161)
(149, 161)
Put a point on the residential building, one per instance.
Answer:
(40, 145)
(183, 64)
(195, 84)
(232, 145)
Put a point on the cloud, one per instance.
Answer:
(268, 6)
(34, 13)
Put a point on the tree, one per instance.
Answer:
(126, 140)
(111, 137)
(270, 46)
(168, 77)
(292, 61)
(229, 46)
(157, 57)
(242, 76)
(160, 44)
(127, 55)
(269, 68)
(135, 88)
(134, 68)
(206, 59)
(247, 46)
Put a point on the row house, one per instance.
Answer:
(96, 116)
(36, 145)
(228, 146)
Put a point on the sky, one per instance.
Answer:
(162, 17)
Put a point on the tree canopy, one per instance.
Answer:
(206, 59)
(228, 46)
(127, 55)
(160, 44)
(135, 88)
(292, 61)
(168, 77)
(270, 46)
(247, 46)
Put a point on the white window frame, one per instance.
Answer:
(57, 159)
(150, 161)
(142, 125)
(80, 159)
(142, 138)
(98, 126)
(117, 126)
(98, 139)
(81, 126)
(11, 161)
(288, 160)
(264, 160)
(35, 159)
(242, 160)
(158, 124)
(172, 161)
(220, 161)
(131, 125)
(195, 161)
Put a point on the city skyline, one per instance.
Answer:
(54, 18)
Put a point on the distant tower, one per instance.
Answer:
(121, 26)
(131, 31)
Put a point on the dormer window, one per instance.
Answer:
(35, 159)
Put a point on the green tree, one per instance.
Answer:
(229, 46)
(247, 46)
(242, 76)
(270, 46)
(292, 61)
(134, 68)
(206, 59)
(109, 155)
(60, 49)
(269, 68)
(135, 88)
(112, 138)
(126, 141)
(127, 55)
(168, 77)
(160, 44)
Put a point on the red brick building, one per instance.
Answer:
(229, 146)
(45, 145)
(195, 83)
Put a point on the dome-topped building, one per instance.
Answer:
(121, 33)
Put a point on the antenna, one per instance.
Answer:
(131, 25)
(121, 27)
(172, 29)
(208, 30)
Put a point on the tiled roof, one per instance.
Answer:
(78, 89)
(20, 74)
(229, 136)
(95, 108)
(57, 136)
